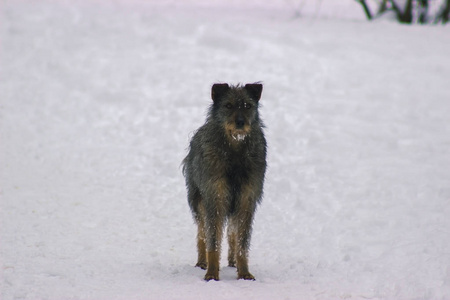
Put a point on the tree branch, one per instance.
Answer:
(366, 9)
(382, 8)
(403, 16)
(423, 11)
(395, 7)
(444, 14)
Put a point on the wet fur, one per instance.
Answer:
(224, 173)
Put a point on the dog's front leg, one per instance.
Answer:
(214, 232)
(214, 226)
(244, 222)
(244, 232)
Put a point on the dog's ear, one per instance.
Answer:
(218, 90)
(254, 90)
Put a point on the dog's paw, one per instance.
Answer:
(209, 277)
(246, 276)
(202, 265)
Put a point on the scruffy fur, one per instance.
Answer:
(224, 173)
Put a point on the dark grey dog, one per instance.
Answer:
(224, 173)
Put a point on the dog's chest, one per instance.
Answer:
(238, 169)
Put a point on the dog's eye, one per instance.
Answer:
(247, 105)
(229, 105)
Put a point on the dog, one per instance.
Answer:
(224, 172)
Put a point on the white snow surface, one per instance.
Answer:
(98, 101)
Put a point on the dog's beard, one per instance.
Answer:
(236, 135)
(239, 136)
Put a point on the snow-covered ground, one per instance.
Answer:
(98, 101)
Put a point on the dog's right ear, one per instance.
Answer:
(218, 90)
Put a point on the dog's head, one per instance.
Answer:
(236, 108)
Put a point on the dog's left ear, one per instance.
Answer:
(254, 90)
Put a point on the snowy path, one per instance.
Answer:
(97, 106)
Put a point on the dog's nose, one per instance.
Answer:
(240, 121)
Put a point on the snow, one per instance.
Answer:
(99, 100)
(239, 137)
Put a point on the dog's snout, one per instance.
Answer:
(240, 121)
